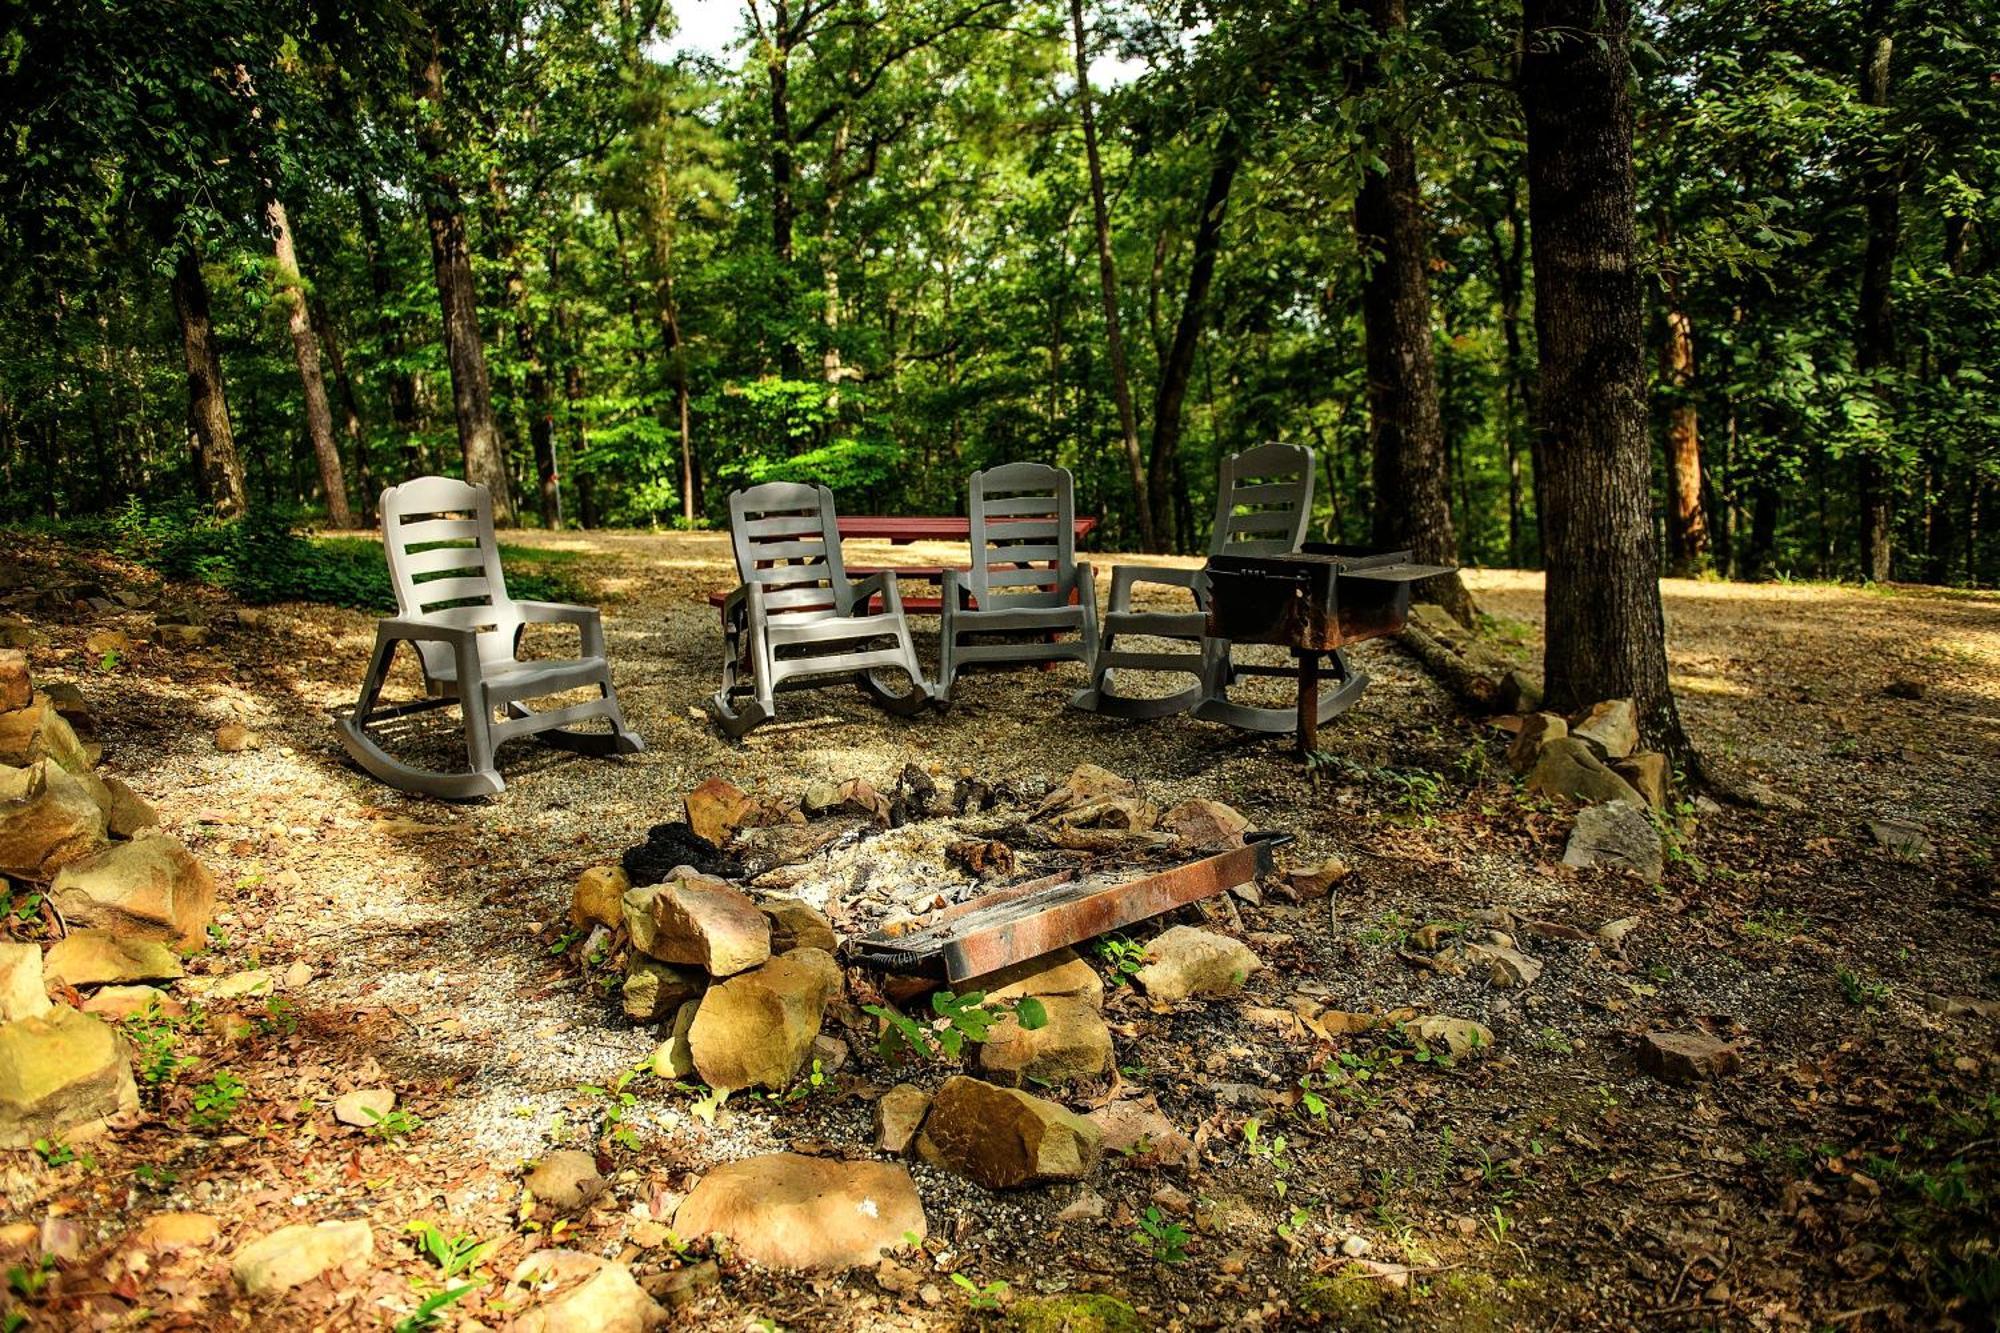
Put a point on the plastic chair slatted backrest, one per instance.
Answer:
(1023, 534)
(1265, 501)
(786, 538)
(445, 565)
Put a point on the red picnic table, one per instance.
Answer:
(901, 530)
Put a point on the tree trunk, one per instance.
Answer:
(218, 469)
(1179, 363)
(305, 350)
(1412, 476)
(1606, 633)
(350, 404)
(784, 207)
(458, 302)
(1875, 336)
(1687, 523)
(402, 383)
(1107, 280)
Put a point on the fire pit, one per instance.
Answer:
(1314, 601)
(1050, 912)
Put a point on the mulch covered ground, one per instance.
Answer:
(1845, 1176)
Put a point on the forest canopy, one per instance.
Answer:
(277, 256)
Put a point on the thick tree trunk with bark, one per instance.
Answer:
(451, 261)
(1875, 336)
(1107, 281)
(1606, 633)
(305, 350)
(1412, 480)
(218, 469)
(1162, 466)
(1687, 522)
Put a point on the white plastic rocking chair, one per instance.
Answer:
(452, 606)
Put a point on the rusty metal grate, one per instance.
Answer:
(1038, 917)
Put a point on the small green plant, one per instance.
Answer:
(1270, 1150)
(959, 1019)
(425, 1316)
(27, 1281)
(154, 1038)
(619, 1100)
(1291, 1227)
(1860, 991)
(453, 1255)
(987, 1297)
(281, 1017)
(815, 1080)
(560, 944)
(395, 1123)
(109, 662)
(159, 1179)
(216, 1100)
(1166, 1238)
(1415, 794)
(1122, 956)
(54, 1152)
(26, 911)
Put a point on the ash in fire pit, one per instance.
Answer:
(675, 844)
(919, 888)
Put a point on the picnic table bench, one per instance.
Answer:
(902, 531)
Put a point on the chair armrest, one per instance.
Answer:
(1125, 577)
(587, 619)
(953, 591)
(464, 643)
(549, 613)
(416, 631)
(882, 581)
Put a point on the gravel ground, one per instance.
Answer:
(1548, 1183)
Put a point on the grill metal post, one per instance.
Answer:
(1308, 700)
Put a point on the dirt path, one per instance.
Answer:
(1846, 1174)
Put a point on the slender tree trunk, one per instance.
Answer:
(349, 402)
(305, 350)
(218, 469)
(1606, 633)
(1687, 522)
(1412, 472)
(1161, 465)
(458, 301)
(784, 206)
(401, 382)
(1107, 281)
(1875, 337)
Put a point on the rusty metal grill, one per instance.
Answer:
(1042, 915)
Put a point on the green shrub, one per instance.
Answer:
(264, 558)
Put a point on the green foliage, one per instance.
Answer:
(1165, 1238)
(155, 1039)
(911, 306)
(1124, 957)
(987, 1296)
(453, 1254)
(957, 1020)
(265, 558)
(216, 1100)
(425, 1316)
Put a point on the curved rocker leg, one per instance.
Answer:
(736, 723)
(621, 739)
(361, 747)
(1219, 707)
(906, 704)
(1102, 698)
